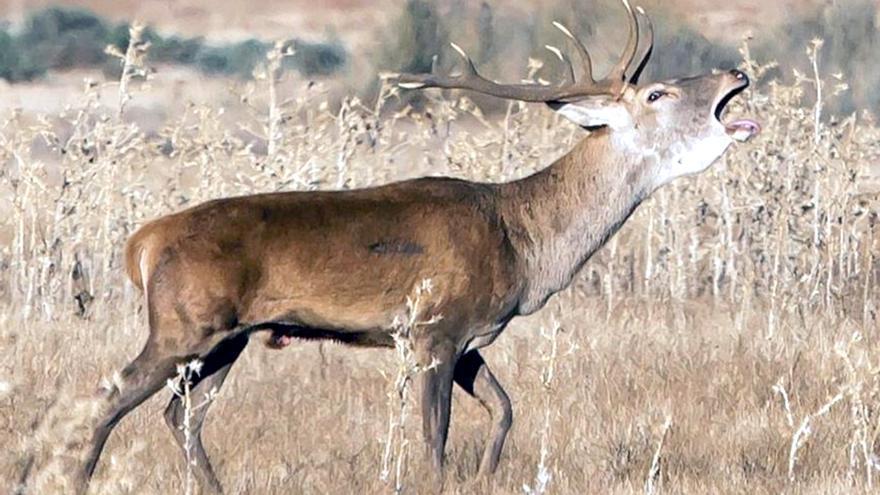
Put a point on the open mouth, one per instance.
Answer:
(740, 130)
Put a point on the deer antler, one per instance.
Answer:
(649, 47)
(612, 84)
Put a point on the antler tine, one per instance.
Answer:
(556, 51)
(468, 75)
(581, 49)
(618, 73)
(468, 63)
(417, 81)
(649, 48)
(471, 79)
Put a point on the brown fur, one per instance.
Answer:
(343, 261)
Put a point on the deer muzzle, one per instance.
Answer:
(741, 129)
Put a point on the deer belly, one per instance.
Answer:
(278, 335)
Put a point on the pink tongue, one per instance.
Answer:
(745, 124)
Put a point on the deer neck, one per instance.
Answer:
(558, 217)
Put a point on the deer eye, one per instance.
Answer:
(655, 95)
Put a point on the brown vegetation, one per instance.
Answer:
(740, 305)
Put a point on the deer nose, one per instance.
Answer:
(740, 75)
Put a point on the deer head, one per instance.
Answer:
(677, 127)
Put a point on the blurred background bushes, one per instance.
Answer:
(499, 40)
(60, 38)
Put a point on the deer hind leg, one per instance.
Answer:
(139, 380)
(177, 336)
(473, 375)
(72, 434)
(145, 376)
(214, 370)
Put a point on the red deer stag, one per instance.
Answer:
(337, 265)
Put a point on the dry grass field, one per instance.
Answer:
(725, 341)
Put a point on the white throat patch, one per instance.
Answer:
(691, 157)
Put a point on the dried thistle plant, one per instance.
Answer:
(549, 355)
(133, 62)
(181, 386)
(405, 329)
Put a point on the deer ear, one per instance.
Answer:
(593, 113)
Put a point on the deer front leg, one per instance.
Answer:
(473, 375)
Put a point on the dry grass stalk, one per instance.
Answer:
(271, 74)
(181, 387)
(133, 62)
(396, 449)
(549, 355)
(805, 429)
(654, 479)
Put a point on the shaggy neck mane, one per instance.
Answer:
(558, 217)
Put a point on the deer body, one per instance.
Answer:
(339, 265)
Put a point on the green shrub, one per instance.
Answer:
(15, 65)
(171, 49)
(65, 38)
(419, 35)
(174, 49)
(236, 59)
(411, 43)
(317, 58)
(51, 24)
